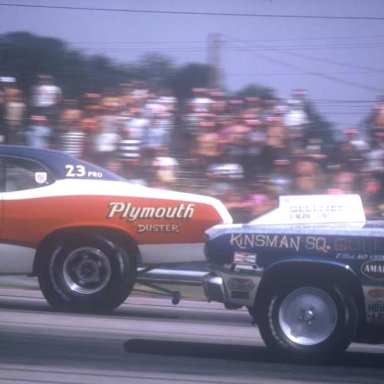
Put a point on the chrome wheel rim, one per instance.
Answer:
(87, 270)
(308, 316)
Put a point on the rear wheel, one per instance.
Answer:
(86, 274)
(307, 319)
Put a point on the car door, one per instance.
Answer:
(20, 180)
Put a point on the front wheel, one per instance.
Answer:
(86, 274)
(307, 319)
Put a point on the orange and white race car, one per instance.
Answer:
(85, 231)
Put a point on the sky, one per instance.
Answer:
(334, 49)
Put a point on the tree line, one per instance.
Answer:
(24, 56)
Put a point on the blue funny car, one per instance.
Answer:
(310, 272)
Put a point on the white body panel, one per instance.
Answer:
(16, 260)
(171, 253)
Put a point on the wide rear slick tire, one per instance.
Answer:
(306, 320)
(86, 273)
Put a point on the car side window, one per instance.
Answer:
(23, 174)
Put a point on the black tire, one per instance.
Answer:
(86, 274)
(307, 320)
(254, 313)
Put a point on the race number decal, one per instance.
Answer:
(75, 170)
(79, 171)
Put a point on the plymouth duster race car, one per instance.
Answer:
(310, 272)
(85, 232)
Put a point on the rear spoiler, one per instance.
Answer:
(315, 209)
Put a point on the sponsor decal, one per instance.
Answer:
(296, 243)
(347, 256)
(352, 256)
(376, 307)
(358, 245)
(265, 241)
(358, 256)
(156, 228)
(313, 212)
(245, 261)
(373, 269)
(376, 293)
(345, 248)
(41, 177)
(131, 213)
(374, 303)
(244, 258)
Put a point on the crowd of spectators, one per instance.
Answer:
(245, 151)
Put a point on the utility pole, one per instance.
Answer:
(213, 60)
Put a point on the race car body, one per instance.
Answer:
(84, 231)
(310, 272)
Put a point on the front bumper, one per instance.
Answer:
(214, 288)
(231, 288)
